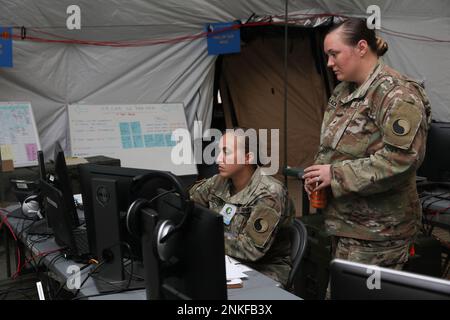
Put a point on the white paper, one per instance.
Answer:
(233, 270)
(18, 130)
(139, 135)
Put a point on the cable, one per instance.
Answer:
(39, 255)
(131, 259)
(107, 293)
(5, 221)
(98, 266)
(136, 277)
(267, 20)
(92, 261)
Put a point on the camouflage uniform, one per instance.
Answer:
(258, 233)
(374, 137)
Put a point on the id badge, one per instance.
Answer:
(228, 211)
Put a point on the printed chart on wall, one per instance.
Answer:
(19, 139)
(139, 135)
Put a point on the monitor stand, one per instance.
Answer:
(137, 281)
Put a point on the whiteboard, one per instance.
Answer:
(18, 132)
(139, 135)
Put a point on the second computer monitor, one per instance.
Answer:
(62, 183)
(106, 193)
(197, 268)
(355, 281)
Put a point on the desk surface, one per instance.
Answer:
(256, 287)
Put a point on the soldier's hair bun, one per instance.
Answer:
(355, 29)
(382, 46)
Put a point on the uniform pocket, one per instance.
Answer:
(335, 129)
(380, 256)
(355, 136)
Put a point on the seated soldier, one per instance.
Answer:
(254, 208)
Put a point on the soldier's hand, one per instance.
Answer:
(317, 177)
(309, 186)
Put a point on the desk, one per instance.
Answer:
(256, 287)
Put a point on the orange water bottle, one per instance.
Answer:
(318, 199)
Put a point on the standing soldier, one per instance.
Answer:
(372, 142)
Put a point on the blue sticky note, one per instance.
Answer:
(159, 140)
(138, 141)
(169, 141)
(222, 42)
(124, 129)
(149, 140)
(136, 128)
(126, 142)
(6, 57)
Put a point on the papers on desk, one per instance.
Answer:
(78, 199)
(235, 272)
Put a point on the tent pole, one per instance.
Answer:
(285, 90)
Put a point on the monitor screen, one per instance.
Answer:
(355, 281)
(62, 183)
(199, 270)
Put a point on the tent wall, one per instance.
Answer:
(255, 83)
(54, 76)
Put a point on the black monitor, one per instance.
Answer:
(60, 219)
(356, 281)
(436, 165)
(106, 194)
(62, 182)
(109, 200)
(199, 270)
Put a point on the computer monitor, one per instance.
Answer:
(106, 193)
(60, 220)
(108, 202)
(62, 182)
(436, 165)
(356, 281)
(199, 272)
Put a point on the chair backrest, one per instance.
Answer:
(299, 239)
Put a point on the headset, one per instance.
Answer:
(28, 194)
(31, 207)
(165, 238)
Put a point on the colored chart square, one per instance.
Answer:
(126, 142)
(159, 140)
(138, 141)
(149, 140)
(124, 129)
(169, 141)
(136, 128)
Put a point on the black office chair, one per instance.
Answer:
(299, 239)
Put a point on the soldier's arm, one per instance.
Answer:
(199, 191)
(404, 128)
(259, 232)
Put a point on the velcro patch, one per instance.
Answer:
(402, 124)
(261, 225)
